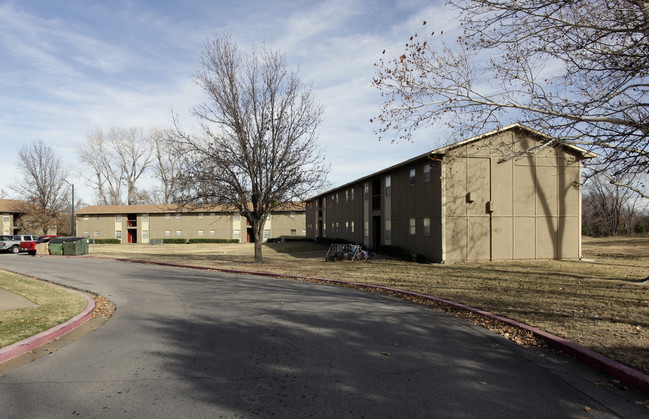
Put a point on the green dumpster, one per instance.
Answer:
(75, 246)
(56, 249)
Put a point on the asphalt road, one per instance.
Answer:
(188, 343)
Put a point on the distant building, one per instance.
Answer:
(142, 223)
(479, 199)
(11, 211)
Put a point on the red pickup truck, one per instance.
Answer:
(30, 246)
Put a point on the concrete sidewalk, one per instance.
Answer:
(12, 301)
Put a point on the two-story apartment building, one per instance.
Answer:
(485, 198)
(141, 223)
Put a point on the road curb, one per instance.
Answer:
(588, 356)
(26, 345)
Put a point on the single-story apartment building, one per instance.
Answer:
(142, 223)
(507, 194)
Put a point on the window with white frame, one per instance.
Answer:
(167, 216)
(388, 186)
(118, 218)
(336, 197)
(412, 176)
(293, 232)
(366, 192)
(85, 218)
(352, 226)
(86, 233)
(426, 226)
(201, 233)
(179, 233)
(347, 195)
(413, 227)
(200, 215)
(96, 233)
(346, 226)
(167, 233)
(352, 194)
(178, 216)
(212, 233)
(292, 215)
(118, 234)
(145, 218)
(212, 215)
(427, 172)
(145, 234)
(237, 234)
(267, 234)
(236, 217)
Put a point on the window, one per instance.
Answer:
(118, 234)
(145, 234)
(304, 232)
(179, 233)
(352, 194)
(388, 186)
(85, 218)
(267, 234)
(236, 217)
(427, 173)
(145, 218)
(178, 216)
(412, 176)
(86, 233)
(347, 195)
(366, 192)
(167, 233)
(413, 228)
(212, 233)
(346, 226)
(388, 229)
(292, 215)
(200, 215)
(167, 216)
(96, 218)
(293, 232)
(337, 227)
(268, 217)
(237, 234)
(211, 215)
(426, 226)
(96, 233)
(352, 226)
(201, 233)
(336, 197)
(366, 229)
(118, 218)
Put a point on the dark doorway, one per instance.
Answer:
(250, 236)
(376, 232)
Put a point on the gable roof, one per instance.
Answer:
(585, 154)
(12, 205)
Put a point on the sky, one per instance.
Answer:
(68, 67)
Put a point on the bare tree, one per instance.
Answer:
(117, 159)
(577, 70)
(608, 207)
(167, 166)
(258, 150)
(41, 183)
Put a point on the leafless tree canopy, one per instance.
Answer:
(116, 160)
(41, 183)
(167, 167)
(577, 70)
(258, 149)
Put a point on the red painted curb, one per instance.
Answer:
(588, 356)
(49, 335)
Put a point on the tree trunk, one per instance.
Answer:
(257, 231)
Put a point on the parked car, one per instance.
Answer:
(13, 244)
(30, 247)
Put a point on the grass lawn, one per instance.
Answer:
(55, 306)
(601, 303)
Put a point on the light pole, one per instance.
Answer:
(72, 226)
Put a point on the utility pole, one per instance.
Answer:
(72, 226)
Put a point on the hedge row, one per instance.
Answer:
(105, 241)
(180, 240)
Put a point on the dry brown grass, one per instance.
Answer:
(55, 306)
(602, 304)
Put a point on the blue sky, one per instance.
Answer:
(67, 67)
